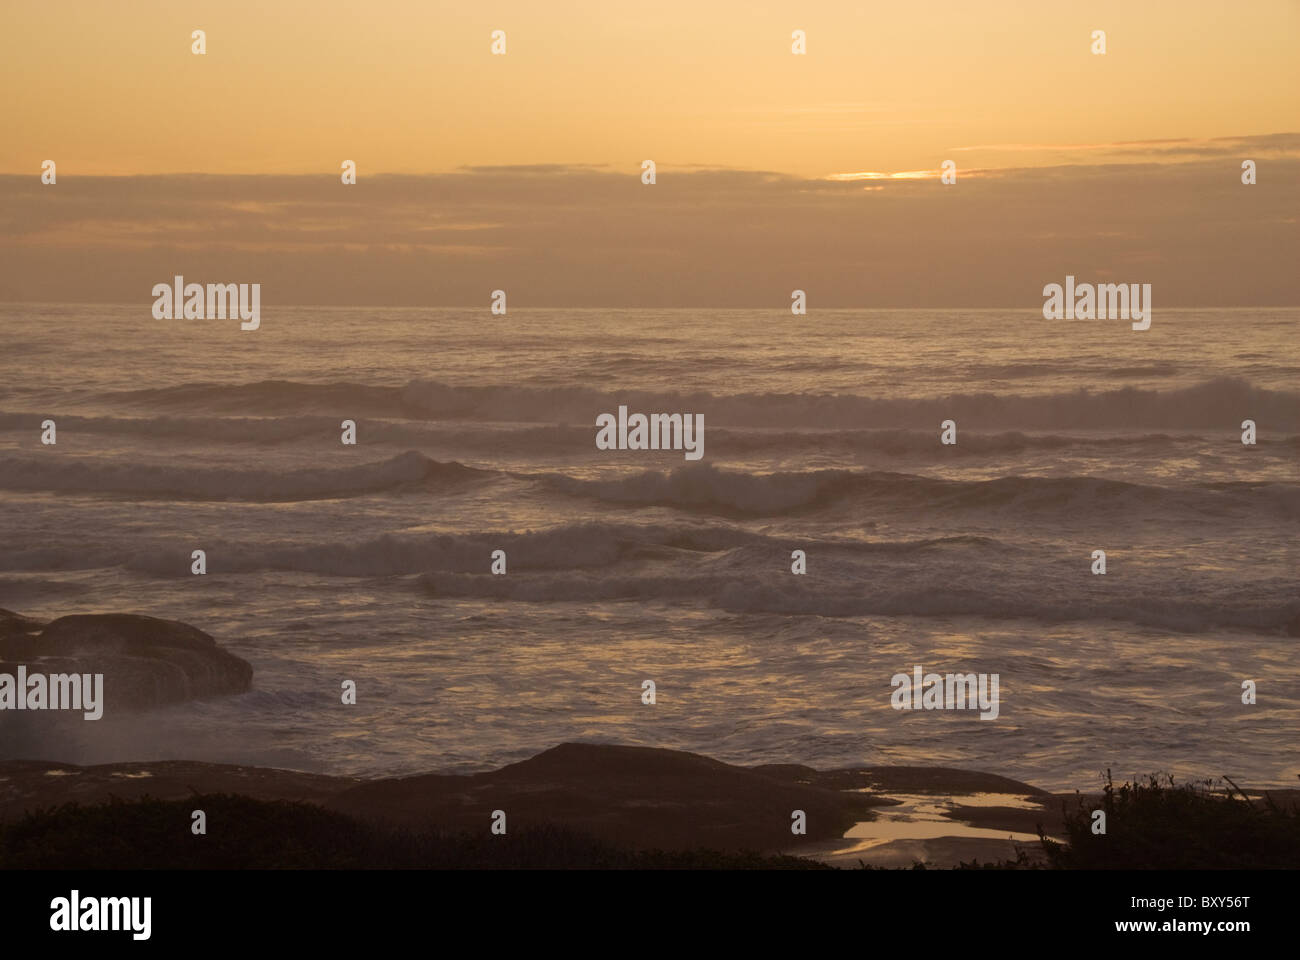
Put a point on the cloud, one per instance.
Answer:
(1265, 144)
(578, 235)
(873, 175)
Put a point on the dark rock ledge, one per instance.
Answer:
(146, 662)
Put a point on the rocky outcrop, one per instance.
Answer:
(29, 785)
(146, 662)
(637, 797)
(627, 798)
(16, 625)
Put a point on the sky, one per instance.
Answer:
(774, 171)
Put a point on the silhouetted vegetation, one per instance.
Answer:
(1022, 862)
(1160, 825)
(1153, 824)
(244, 833)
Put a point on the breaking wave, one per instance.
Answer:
(1219, 404)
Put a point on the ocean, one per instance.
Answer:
(475, 433)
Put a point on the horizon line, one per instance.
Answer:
(626, 306)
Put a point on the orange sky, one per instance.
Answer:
(295, 87)
(775, 171)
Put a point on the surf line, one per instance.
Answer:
(657, 431)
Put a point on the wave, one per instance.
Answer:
(571, 546)
(68, 475)
(552, 438)
(1220, 404)
(206, 429)
(948, 589)
(712, 489)
(924, 443)
(740, 571)
(316, 429)
(693, 487)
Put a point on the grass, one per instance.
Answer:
(1157, 824)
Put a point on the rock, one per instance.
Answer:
(146, 662)
(629, 798)
(16, 625)
(30, 785)
(634, 797)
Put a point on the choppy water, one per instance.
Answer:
(476, 433)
